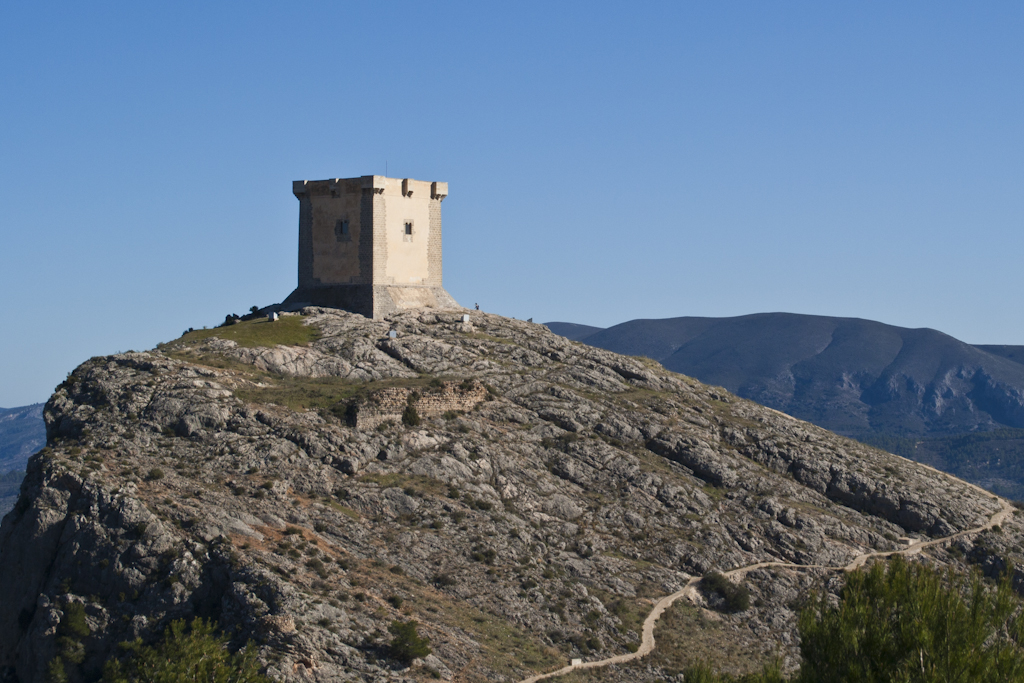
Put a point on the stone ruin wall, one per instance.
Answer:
(389, 404)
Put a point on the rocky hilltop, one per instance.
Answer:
(525, 498)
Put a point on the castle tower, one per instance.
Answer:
(370, 245)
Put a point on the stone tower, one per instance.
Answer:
(370, 245)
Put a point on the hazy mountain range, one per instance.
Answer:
(22, 433)
(917, 392)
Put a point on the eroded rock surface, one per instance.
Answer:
(536, 525)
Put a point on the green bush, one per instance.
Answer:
(197, 653)
(443, 580)
(736, 598)
(485, 555)
(407, 644)
(73, 623)
(317, 565)
(913, 624)
(70, 649)
(410, 417)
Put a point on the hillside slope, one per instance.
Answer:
(1014, 353)
(522, 497)
(912, 391)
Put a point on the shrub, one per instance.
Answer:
(74, 623)
(736, 598)
(199, 654)
(444, 580)
(154, 474)
(70, 650)
(317, 565)
(911, 623)
(396, 601)
(410, 417)
(485, 555)
(407, 644)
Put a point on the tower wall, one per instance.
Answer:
(434, 244)
(371, 245)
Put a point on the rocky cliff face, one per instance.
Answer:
(549, 492)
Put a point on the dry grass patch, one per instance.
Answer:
(289, 330)
(686, 636)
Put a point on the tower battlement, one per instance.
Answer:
(370, 245)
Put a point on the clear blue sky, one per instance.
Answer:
(607, 161)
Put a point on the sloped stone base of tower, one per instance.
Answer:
(373, 301)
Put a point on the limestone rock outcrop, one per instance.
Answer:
(548, 493)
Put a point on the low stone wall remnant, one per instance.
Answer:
(389, 404)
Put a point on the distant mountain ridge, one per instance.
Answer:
(859, 378)
(22, 433)
(1014, 353)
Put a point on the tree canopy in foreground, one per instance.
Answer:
(196, 653)
(904, 623)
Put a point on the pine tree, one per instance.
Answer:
(407, 644)
(196, 654)
(909, 623)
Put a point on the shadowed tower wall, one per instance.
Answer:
(370, 245)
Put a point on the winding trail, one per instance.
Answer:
(647, 641)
